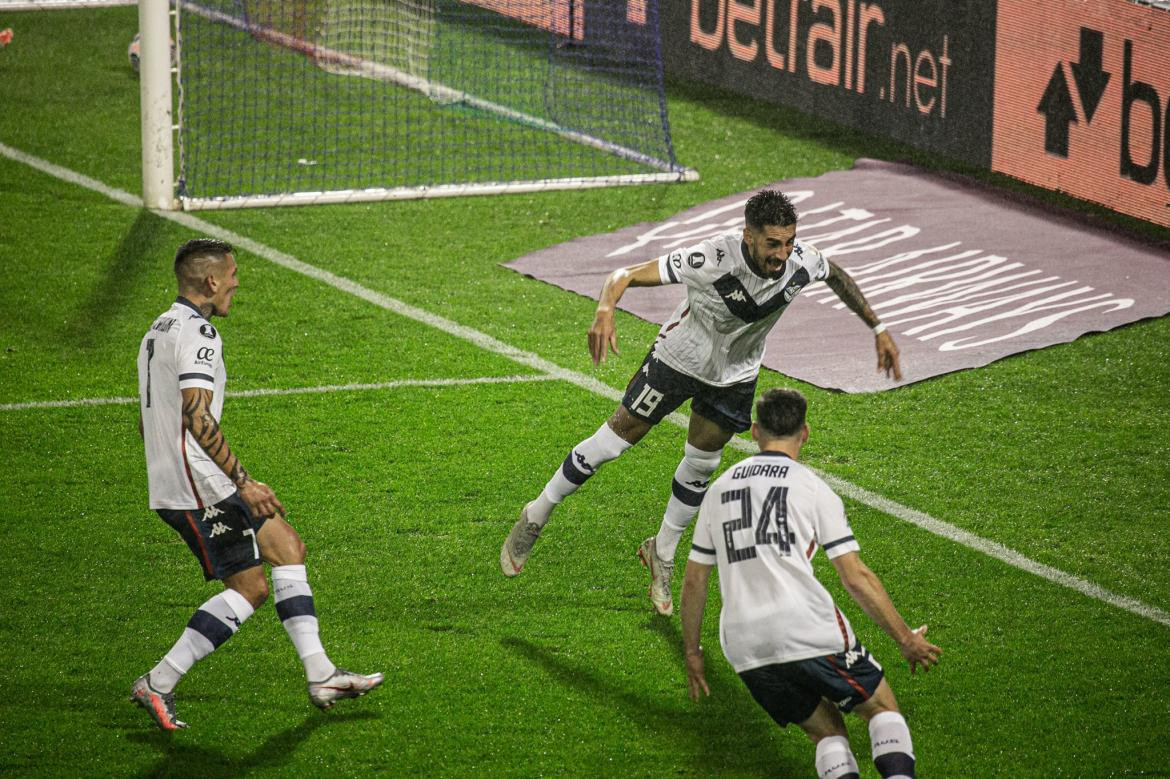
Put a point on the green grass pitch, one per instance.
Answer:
(404, 493)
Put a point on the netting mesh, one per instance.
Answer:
(328, 95)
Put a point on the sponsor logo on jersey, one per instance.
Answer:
(205, 353)
(675, 259)
(206, 330)
(164, 325)
(791, 291)
(696, 259)
(211, 512)
(738, 296)
(218, 528)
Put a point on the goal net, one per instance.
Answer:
(299, 101)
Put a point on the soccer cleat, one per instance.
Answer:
(518, 545)
(660, 573)
(160, 705)
(341, 684)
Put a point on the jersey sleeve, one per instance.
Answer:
(830, 525)
(691, 266)
(702, 543)
(200, 354)
(812, 260)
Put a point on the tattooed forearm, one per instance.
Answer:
(204, 428)
(846, 288)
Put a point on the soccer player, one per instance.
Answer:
(231, 522)
(761, 523)
(709, 350)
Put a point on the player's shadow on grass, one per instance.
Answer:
(185, 759)
(144, 253)
(724, 731)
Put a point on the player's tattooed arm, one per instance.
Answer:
(204, 428)
(846, 288)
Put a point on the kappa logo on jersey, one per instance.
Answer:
(233, 619)
(799, 251)
(218, 528)
(738, 296)
(211, 512)
(675, 259)
(164, 325)
(719, 255)
(696, 260)
(207, 331)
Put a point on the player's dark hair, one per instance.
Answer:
(200, 247)
(769, 207)
(780, 412)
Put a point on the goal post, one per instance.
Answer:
(156, 98)
(290, 102)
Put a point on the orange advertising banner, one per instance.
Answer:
(563, 17)
(1082, 101)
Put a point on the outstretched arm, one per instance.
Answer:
(694, 602)
(867, 590)
(846, 288)
(603, 334)
(201, 423)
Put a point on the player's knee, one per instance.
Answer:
(702, 460)
(254, 588)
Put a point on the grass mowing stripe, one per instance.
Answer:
(257, 393)
(487, 342)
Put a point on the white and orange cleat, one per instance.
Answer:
(159, 705)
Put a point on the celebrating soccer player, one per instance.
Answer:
(761, 524)
(709, 350)
(231, 522)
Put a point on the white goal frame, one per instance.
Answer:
(158, 128)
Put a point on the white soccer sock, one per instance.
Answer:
(583, 461)
(835, 760)
(686, 493)
(215, 622)
(294, 606)
(893, 753)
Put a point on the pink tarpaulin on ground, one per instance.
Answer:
(961, 274)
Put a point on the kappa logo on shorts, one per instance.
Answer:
(852, 657)
(211, 512)
(841, 704)
(218, 528)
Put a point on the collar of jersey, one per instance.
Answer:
(184, 302)
(771, 453)
(751, 263)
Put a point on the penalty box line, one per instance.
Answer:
(484, 341)
(261, 393)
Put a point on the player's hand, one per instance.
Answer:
(261, 500)
(920, 652)
(887, 354)
(602, 335)
(696, 678)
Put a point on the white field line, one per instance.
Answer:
(259, 393)
(488, 343)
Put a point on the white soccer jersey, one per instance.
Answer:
(181, 350)
(717, 334)
(761, 523)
